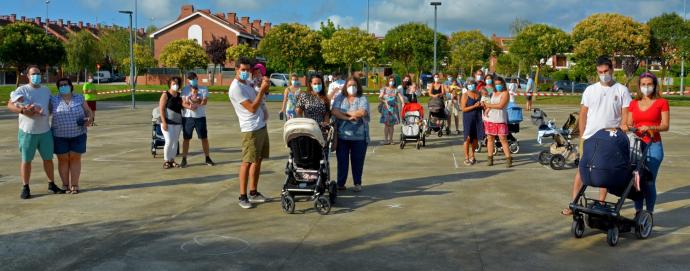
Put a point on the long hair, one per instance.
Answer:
(357, 84)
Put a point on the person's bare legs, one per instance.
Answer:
(457, 123)
(25, 172)
(204, 146)
(490, 148)
(254, 172)
(74, 170)
(466, 147)
(244, 174)
(185, 147)
(63, 169)
(504, 145)
(602, 194)
(49, 170)
(391, 132)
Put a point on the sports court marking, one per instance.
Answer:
(197, 241)
(106, 158)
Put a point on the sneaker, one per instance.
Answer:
(26, 192)
(54, 188)
(183, 164)
(358, 188)
(244, 203)
(257, 198)
(209, 162)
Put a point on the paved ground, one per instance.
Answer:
(419, 209)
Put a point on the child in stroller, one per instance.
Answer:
(438, 119)
(561, 150)
(307, 170)
(413, 125)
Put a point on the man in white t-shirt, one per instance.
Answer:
(335, 86)
(249, 104)
(604, 106)
(194, 100)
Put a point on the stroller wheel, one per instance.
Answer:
(557, 162)
(544, 157)
(287, 202)
(578, 227)
(577, 162)
(423, 141)
(332, 192)
(402, 144)
(612, 236)
(514, 148)
(643, 225)
(440, 133)
(419, 145)
(322, 205)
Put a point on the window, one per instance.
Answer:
(194, 33)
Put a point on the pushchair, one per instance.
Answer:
(157, 138)
(514, 120)
(413, 125)
(438, 119)
(561, 151)
(611, 160)
(307, 170)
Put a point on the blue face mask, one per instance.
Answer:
(36, 79)
(295, 83)
(499, 87)
(65, 90)
(470, 87)
(489, 81)
(317, 88)
(244, 75)
(193, 82)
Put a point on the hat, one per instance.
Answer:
(261, 68)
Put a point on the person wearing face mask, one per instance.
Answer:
(34, 129)
(71, 116)
(437, 92)
(489, 85)
(479, 79)
(649, 114)
(604, 106)
(314, 103)
(90, 97)
(473, 128)
(496, 121)
(409, 90)
(351, 110)
(248, 105)
(389, 96)
(453, 101)
(194, 100)
(530, 91)
(170, 106)
(290, 98)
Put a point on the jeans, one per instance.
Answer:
(171, 136)
(655, 154)
(350, 151)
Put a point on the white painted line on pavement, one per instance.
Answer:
(455, 161)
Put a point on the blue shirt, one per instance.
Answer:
(352, 130)
(66, 114)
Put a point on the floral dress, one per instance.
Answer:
(390, 111)
(312, 106)
(292, 103)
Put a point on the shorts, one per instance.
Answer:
(65, 145)
(92, 105)
(255, 145)
(529, 96)
(191, 124)
(495, 129)
(453, 108)
(29, 143)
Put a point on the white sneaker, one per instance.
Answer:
(258, 198)
(358, 188)
(245, 204)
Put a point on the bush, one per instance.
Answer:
(560, 75)
(675, 70)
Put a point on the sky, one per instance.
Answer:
(488, 16)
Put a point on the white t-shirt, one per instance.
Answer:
(238, 93)
(39, 123)
(200, 111)
(335, 84)
(604, 105)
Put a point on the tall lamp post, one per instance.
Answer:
(682, 63)
(435, 4)
(131, 56)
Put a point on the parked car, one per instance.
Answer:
(102, 77)
(568, 86)
(522, 83)
(279, 79)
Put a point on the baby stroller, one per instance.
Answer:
(617, 164)
(413, 125)
(157, 139)
(561, 150)
(307, 170)
(438, 119)
(514, 120)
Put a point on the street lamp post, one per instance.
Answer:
(47, 2)
(367, 16)
(435, 4)
(131, 56)
(682, 62)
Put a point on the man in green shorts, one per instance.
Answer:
(31, 102)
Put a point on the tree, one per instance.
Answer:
(411, 46)
(470, 49)
(241, 50)
(184, 54)
(349, 46)
(82, 52)
(537, 42)
(518, 25)
(667, 31)
(143, 59)
(23, 44)
(609, 34)
(328, 29)
(216, 51)
(114, 44)
(509, 64)
(291, 47)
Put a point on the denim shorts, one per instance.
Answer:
(63, 145)
(191, 124)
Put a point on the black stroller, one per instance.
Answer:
(157, 139)
(620, 169)
(307, 170)
(438, 119)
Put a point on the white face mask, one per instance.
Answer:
(436, 79)
(174, 87)
(479, 77)
(352, 90)
(605, 78)
(647, 90)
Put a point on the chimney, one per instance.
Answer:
(245, 22)
(267, 27)
(81, 24)
(37, 20)
(256, 24)
(220, 15)
(13, 18)
(186, 10)
(232, 18)
(60, 22)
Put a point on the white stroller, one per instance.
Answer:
(412, 128)
(307, 170)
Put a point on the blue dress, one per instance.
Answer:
(472, 121)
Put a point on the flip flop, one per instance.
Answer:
(567, 212)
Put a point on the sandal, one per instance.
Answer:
(173, 164)
(66, 188)
(74, 189)
(567, 212)
(473, 161)
(166, 165)
(467, 162)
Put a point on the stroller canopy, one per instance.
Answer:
(297, 127)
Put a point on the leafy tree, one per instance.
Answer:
(667, 30)
(470, 49)
(411, 46)
(82, 52)
(518, 25)
(184, 54)
(349, 46)
(143, 59)
(216, 51)
(537, 42)
(291, 47)
(508, 64)
(23, 44)
(328, 29)
(114, 44)
(241, 50)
